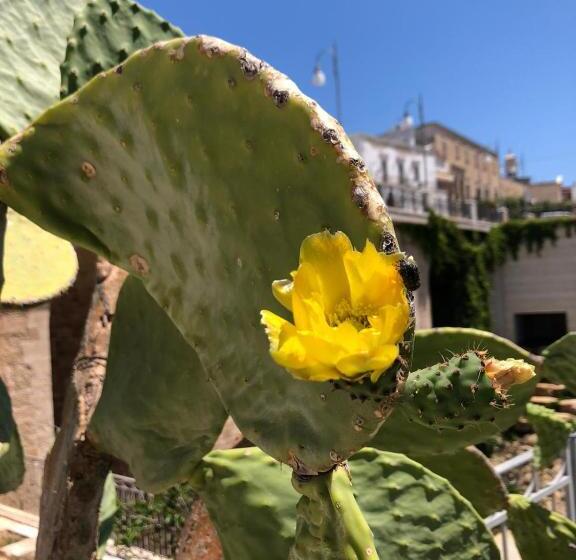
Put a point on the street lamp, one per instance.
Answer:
(319, 77)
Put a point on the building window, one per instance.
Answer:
(416, 171)
(443, 150)
(457, 151)
(401, 175)
(465, 156)
(384, 169)
(535, 331)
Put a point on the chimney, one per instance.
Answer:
(511, 165)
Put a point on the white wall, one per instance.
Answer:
(536, 284)
(422, 302)
(373, 152)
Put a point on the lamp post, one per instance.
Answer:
(319, 77)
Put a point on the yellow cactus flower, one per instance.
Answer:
(350, 312)
(505, 373)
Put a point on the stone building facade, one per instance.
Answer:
(466, 170)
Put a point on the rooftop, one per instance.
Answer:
(437, 127)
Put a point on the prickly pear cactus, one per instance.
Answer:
(201, 169)
(11, 454)
(413, 513)
(431, 346)
(552, 431)
(37, 265)
(157, 412)
(470, 472)
(105, 33)
(452, 394)
(251, 502)
(32, 45)
(416, 514)
(330, 525)
(560, 362)
(540, 533)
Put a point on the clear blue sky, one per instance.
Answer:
(496, 70)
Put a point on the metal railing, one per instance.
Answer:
(563, 481)
(140, 524)
(419, 201)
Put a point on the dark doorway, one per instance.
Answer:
(535, 331)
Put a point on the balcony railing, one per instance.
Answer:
(419, 201)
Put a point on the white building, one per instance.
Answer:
(404, 172)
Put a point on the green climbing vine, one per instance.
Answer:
(461, 262)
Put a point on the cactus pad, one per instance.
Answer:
(560, 362)
(415, 514)
(330, 525)
(552, 431)
(106, 514)
(470, 472)
(11, 454)
(539, 533)
(431, 346)
(105, 33)
(37, 265)
(157, 411)
(251, 503)
(32, 46)
(453, 394)
(201, 169)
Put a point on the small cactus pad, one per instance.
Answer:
(330, 525)
(435, 345)
(11, 454)
(37, 265)
(431, 346)
(105, 33)
(452, 394)
(157, 412)
(106, 514)
(32, 46)
(540, 534)
(201, 169)
(251, 503)
(560, 362)
(470, 472)
(552, 431)
(414, 513)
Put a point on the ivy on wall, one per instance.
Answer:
(461, 262)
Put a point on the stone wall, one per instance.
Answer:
(26, 370)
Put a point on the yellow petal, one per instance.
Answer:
(317, 372)
(307, 302)
(384, 357)
(291, 353)
(373, 278)
(273, 325)
(282, 290)
(324, 252)
(392, 322)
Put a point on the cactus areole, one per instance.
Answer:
(201, 169)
